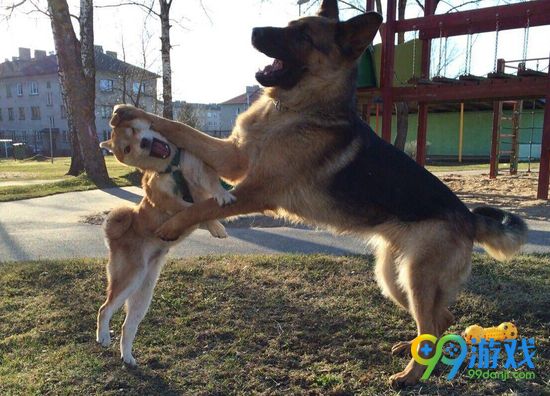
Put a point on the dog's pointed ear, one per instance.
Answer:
(329, 9)
(357, 33)
(107, 144)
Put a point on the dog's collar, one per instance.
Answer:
(180, 184)
(175, 163)
(279, 106)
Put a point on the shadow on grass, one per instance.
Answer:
(286, 324)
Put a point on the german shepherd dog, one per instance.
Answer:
(172, 179)
(301, 151)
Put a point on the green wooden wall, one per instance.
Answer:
(443, 131)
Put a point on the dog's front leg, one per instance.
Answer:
(249, 199)
(221, 154)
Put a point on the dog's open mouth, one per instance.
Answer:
(271, 74)
(273, 68)
(159, 149)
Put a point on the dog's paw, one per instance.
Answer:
(124, 114)
(103, 337)
(216, 229)
(401, 348)
(408, 377)
(129, 361)
(225, 198)
(170, 230)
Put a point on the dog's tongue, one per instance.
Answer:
(159, 149)
(275, 66)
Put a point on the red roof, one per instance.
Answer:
(241, 99)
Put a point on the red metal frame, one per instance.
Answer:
(386, 73)
(422, 130)
(467, 22)
(497, 89)
(497, 110)
(544, 168)
(482, 20)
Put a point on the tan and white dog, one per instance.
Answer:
(136, 255)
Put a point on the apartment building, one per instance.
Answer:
(31, 98)
(230, 109)
(205, 117)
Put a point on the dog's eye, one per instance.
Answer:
(307, 38)
(127, 149)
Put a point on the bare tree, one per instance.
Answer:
(88, 65)
(77, 75)
(168, 111)
(189, 115)
(134, 88)
(165, 24)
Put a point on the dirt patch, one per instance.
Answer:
(253, 221)
(95, 218)
(6, 175)
(514, 193)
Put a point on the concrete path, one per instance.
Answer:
(51, 228)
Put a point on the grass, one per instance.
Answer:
(286, 324)
(31, 170)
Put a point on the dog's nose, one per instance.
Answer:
(257, 33)
(144, 143)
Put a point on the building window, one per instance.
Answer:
(19, 89)
(48, 84)
(63, 112)
(106, 85)
(35, 113)
(21, 113)
(8, 90)
(34, 88)
(49, 99)
(0, 114)
(136, 87)
(105, 111)
(10, 114)
(38, 136)
(65, 136)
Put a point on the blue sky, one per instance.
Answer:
(212, 56)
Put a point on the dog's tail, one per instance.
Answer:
(117, 222)
(500, 233)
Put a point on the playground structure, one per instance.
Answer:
(498, 87)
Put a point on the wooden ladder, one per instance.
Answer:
(507, 136)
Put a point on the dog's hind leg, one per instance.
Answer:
(386, 276)
(137, 306)
(123, 280)
(433, 268)
(421, 293)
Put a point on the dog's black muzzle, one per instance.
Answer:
(145, 143)
(270, 41)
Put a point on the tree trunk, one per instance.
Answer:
(77, 166)
(402, 108)
(165, 54)
(80, 95)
